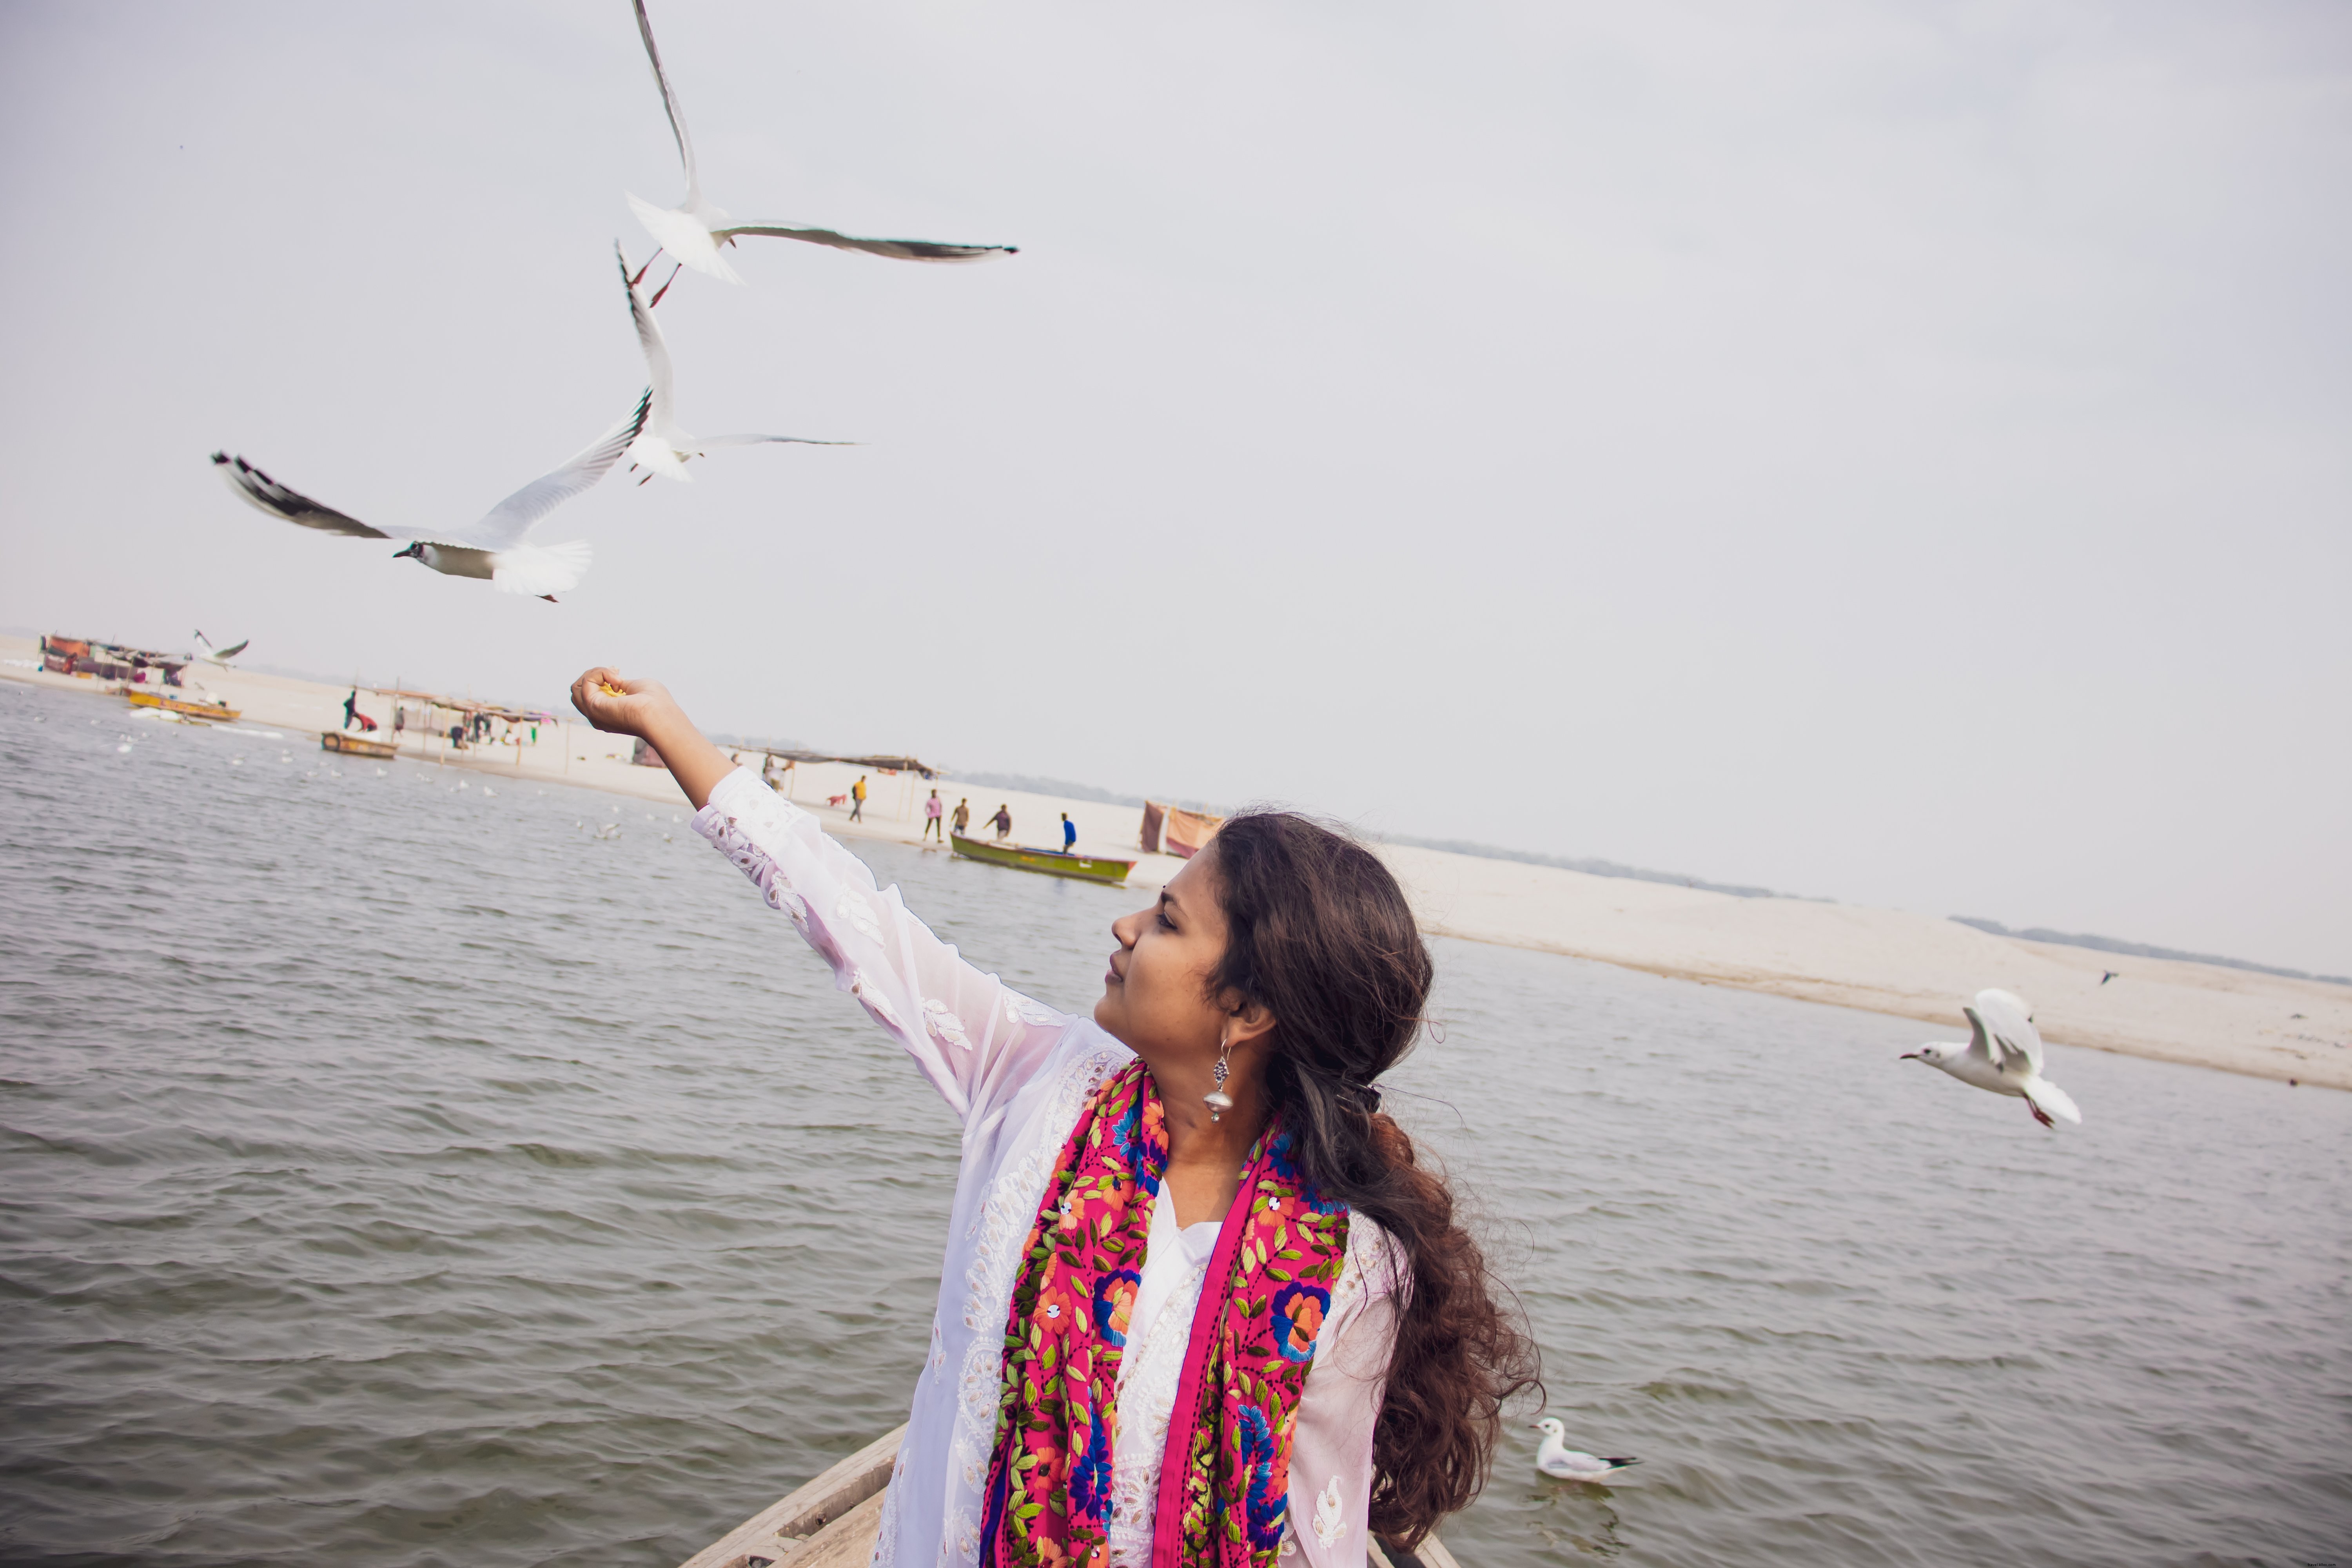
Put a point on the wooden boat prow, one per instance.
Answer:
(832, 1522)
(829, 1523)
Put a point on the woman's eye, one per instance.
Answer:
(1165, 923)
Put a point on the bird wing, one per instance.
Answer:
(901, 249)
(232, 650)
(662, 413)
(2016, 1044)
(698, 444)
(1979, 1041)
(670, 108)
(504, 525)
(267, 494)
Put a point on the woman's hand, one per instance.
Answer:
(622, 707)
(646, 709)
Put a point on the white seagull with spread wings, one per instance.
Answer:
(2003, 1054)
(219, 655)
(661, 448)
(492, 548)
(693, 233)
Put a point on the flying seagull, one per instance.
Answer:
(661, 448)
(2004, 1055)
(219, 655)
(694, 232)
(1555, 1457)
(2109, 974)
(492, 548)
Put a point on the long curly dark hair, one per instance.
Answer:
(1320, 933)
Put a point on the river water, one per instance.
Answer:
(393, 1171)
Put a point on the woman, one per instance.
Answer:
(1200, 1304)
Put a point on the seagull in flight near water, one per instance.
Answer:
(693, 233)
(219, 655)
(661, 448)
(492, 548)
(2003, 1054)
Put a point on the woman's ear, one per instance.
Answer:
(1247, 1024)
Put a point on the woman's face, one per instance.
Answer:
(1155, 997)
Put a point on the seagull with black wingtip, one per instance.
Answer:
(693, 233)
(493, 548)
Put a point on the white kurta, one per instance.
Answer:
(1017, 1074)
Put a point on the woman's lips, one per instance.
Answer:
(1111, 975)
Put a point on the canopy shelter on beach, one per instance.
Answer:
(880, 764)
(430, 716)
(110, 661)
(1172, 830)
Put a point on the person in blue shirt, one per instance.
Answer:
(1069, 833)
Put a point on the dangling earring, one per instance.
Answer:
(1217, 1099)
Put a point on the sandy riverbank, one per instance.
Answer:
(1884, 961)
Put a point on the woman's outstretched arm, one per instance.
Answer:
(974, 1038)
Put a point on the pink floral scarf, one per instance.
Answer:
(1224, 1478)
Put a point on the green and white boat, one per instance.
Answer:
(1052, 862)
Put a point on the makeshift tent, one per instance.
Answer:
(1173, 830)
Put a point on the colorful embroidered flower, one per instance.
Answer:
(1090, 1477)
(1262, 1507)
(1052, 1312)
(1114, 1304)
(1299, 1312)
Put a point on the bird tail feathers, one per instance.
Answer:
(538, 569)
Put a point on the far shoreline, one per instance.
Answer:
(1890, 962)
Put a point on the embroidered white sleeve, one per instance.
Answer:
(1332, 1443)
(975, 1039)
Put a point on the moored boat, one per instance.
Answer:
(355, 745)
(1102, 868)
(832, 1521)
(183, 706)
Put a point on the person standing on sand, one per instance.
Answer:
(1004, 820)
(1069, 834)
(962, 815)
(857, 800)
(932, 810)
(1201, 1302)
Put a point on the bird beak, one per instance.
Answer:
(1908, 1057)
(414, 550)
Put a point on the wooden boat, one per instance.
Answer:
(832, 1521)
(1052, 862)
(181, 705)
(356, 746)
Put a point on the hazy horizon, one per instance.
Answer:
(1891, 453)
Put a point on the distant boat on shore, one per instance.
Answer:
(356, 746)
(186, 707)
(1052, 862)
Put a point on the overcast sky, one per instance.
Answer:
(1893, 453)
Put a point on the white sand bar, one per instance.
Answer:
(1883, 961)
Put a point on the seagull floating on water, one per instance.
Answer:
(2003, 1054)
(661, 448)
(492, 548)
(1555, 1457)
(693, 233)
